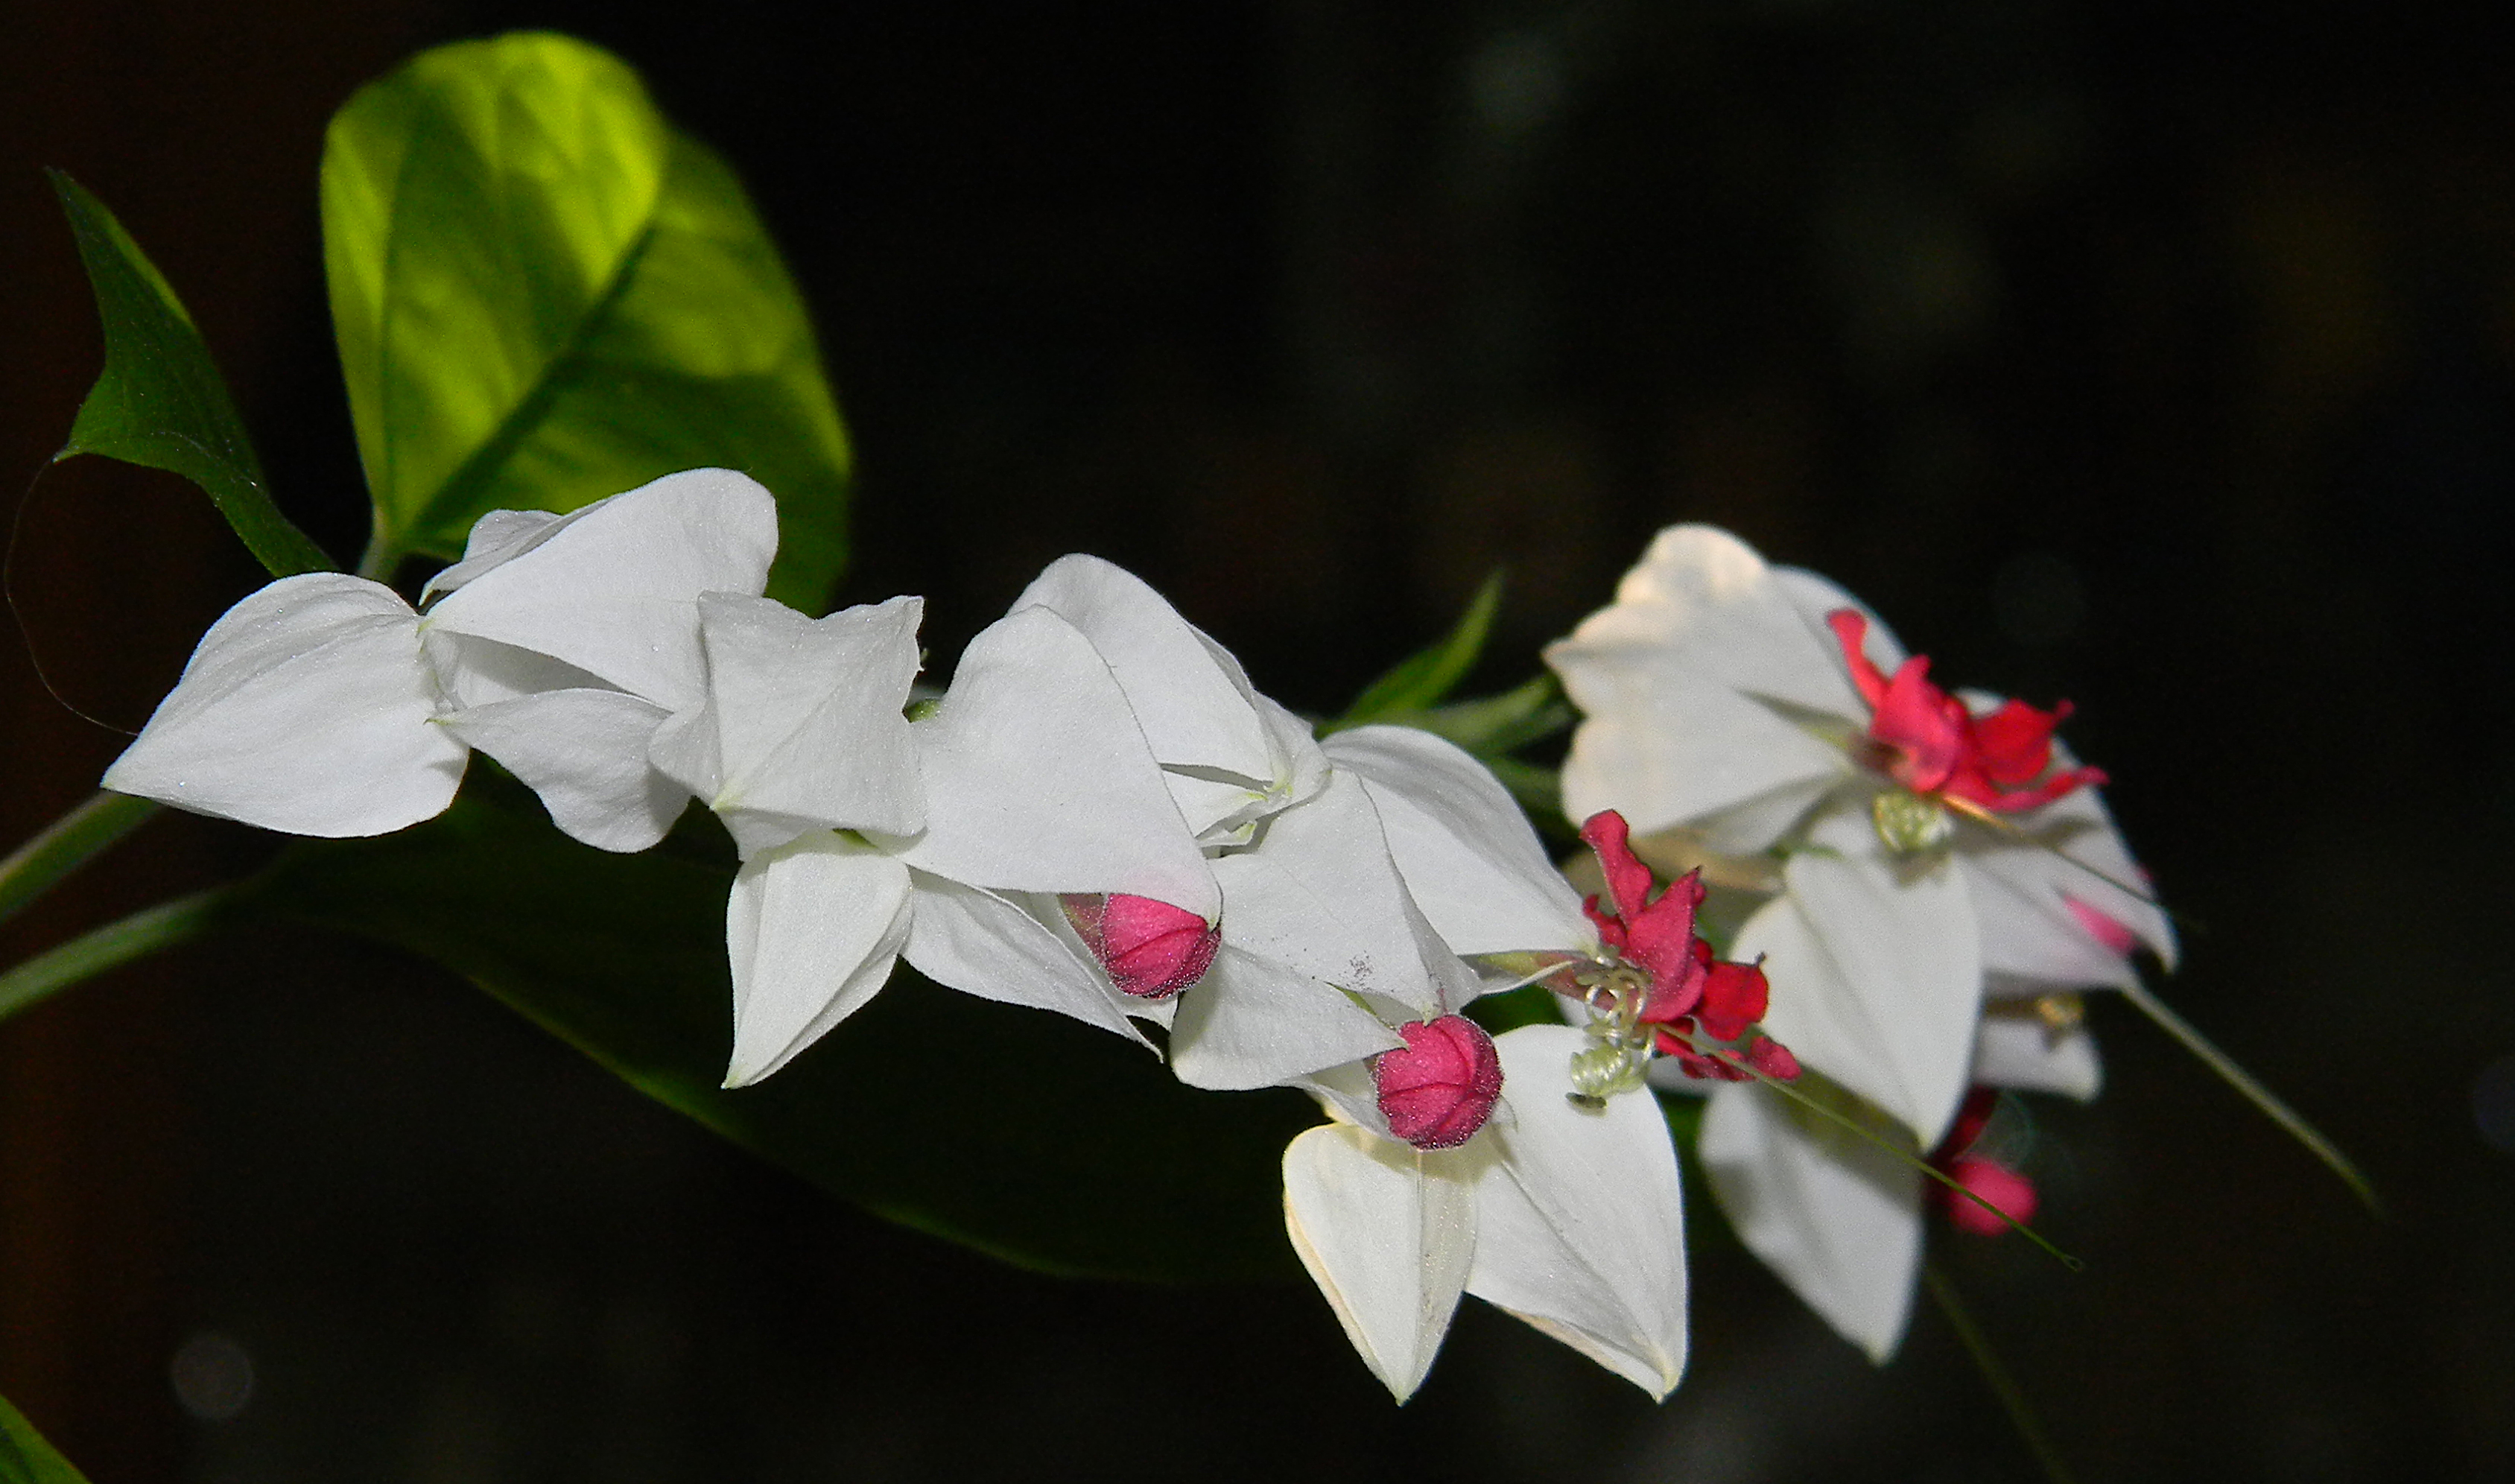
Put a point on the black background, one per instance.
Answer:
(2156, 356)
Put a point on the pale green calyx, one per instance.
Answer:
(1908, 823)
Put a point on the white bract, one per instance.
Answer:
(947, 840)
(1567, 1216)
(1838, 1217)
(1230, 755)
(325, 704)
(1719, 700)
(1467, 854)
(1315, 925)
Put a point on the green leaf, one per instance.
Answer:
(1420, 679)
(1508, 1011)
(1013, 1131)
(25, 1458)
(1492, 725)
(151, 930)
(544, 293)
(159, 400)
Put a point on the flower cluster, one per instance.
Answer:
(1098, 815)
(1932, 878)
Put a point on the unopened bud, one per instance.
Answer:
(1994, 1182)
(1439, 1088)
(1151, 949)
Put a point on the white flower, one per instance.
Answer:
(1568, 1215)
(324, 705)
(1466, 851)
(1314, 913)
(1230, 755)
(1931, 847)
(947, 840)
(1631, 968)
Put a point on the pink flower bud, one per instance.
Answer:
(1439, 1089)
(1151, 949)
(1994, 1182)
(2106, 928)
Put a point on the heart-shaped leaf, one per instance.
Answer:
(544, 293)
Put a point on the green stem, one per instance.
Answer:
(2012, 1396)
(2254, 1093)
(381, 558)
(65, 845)
(135, 936)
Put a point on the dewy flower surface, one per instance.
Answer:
(325, 704)
(1934, 847)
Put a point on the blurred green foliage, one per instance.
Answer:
(25, 1458)
(1022, 1134)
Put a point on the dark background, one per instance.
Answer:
(2158, 356)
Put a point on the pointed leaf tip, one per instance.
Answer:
(1422, 680)
(159, 401)
(26, 1456)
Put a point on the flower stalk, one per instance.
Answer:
(67, 843)
(149, 930)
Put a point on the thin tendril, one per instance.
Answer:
(2260, 1096)
(2012, 1396)
(2138, 893)
(9, 593)
(1730, 1058)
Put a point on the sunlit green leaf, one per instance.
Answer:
(159, 400)
(25, 1458)
(1422, 680)
(1017, 1131)
(544, 293)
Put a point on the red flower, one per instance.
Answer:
(1693, 997)
(1927, 740)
